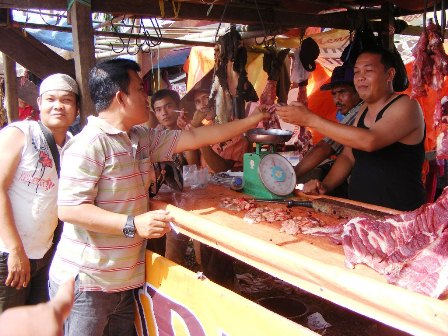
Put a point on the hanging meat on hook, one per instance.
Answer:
(429, 71)
(231, 87)
(273, 61)
(430, 66)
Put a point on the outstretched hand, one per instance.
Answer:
(45, 319)
(295, 113)
(263, 112)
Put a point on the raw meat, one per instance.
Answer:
(268, 98)
(297, 224)
(431, 62)
(427, 272)
(388, 245)
(237, 204)
(267, 215)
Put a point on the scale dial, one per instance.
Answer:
(277, 174)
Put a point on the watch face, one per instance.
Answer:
(129, 232)
(129, 228)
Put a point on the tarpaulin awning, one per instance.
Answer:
(172, 58)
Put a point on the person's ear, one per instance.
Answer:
(38, 100)
(391, 74)
(119, 96)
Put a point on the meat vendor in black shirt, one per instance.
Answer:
(384, 152)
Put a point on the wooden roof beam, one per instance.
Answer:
(233, 14)
(32, 54)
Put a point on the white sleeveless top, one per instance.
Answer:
(33, 192)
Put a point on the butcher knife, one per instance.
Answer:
(332, 207)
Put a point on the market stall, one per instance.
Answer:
(314, 264)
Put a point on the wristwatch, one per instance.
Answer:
(129, 227)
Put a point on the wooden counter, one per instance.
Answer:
(311, 263)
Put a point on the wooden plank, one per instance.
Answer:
(12, 107)
(84, 55)
(235, 13)
(32, 54)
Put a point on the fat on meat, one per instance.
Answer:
(390, 244)
(427, 271)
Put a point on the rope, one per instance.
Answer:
(176, 10)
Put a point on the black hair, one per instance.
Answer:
(387, 58)
(159, 95)
(108, 77)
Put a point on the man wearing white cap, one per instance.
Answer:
(28, 193)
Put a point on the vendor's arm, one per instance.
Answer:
(402, 122)
(321, 151)
(192, 157)
(215, 161)
(203, 136)
(12, 141)
(152, 224)
(336, 176)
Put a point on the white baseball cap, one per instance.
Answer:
(58, 82)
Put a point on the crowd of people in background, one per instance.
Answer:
(102, 188)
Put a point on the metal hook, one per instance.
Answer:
(114, 28)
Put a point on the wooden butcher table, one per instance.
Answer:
(311, 263)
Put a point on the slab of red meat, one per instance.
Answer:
(268, 98)
(388, 244)
(422, 67)
(427, 272)
(438, 56)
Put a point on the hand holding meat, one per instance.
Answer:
(18, 270)
(296, 113)
(262, 112)
(315, 187)
(153, 224)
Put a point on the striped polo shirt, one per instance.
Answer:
(107, 167)
(349, 119)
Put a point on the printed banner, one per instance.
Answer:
(175, 301)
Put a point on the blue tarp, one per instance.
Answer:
(173, 58)
(54, 38)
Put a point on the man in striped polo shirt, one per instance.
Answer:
(103, 198)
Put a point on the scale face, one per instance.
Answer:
(277, 174)
(268, 175)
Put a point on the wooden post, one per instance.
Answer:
(81, 18)
(387, 31)
(12, 102)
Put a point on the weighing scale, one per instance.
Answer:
(268, 175)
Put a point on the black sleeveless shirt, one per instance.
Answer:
(391, 176)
